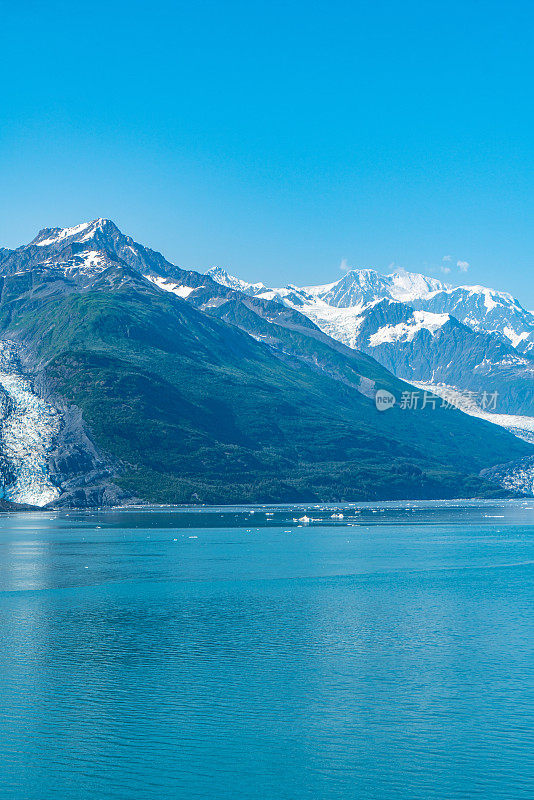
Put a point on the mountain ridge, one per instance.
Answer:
(370, 312)
(188, 391)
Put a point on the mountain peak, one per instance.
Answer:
(49, 237)
(411, 285)
(65, 249)
(220, 275)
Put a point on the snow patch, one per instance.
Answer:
(408, 286)
(515, 338)
(63, 233)
(169, 286)
(406, 331)
(92, 261)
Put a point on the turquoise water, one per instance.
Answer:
(222, 654)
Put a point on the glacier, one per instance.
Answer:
(421, 329)
(335, 307)
(521, 426)
(27, 431)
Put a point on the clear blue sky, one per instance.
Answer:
(277, 139)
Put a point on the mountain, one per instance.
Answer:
(221, 276)
(363, 286)
(486, 310)
(126, 377)
(471, 338)
(480, 308)
(88, 248)
(436, 347)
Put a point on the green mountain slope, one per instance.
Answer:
(193, 408)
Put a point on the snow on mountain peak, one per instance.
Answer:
(492, 297)
(356, 287)
(221, 276)
(82, 232)
(336, 307)
(362, 286)
(412, 285)
(50, 236)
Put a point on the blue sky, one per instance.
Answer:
(278, 140)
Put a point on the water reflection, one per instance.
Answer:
(390, 659)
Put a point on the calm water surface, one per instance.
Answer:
(225, 654)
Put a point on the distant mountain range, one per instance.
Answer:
(124, 377)
(469, 337)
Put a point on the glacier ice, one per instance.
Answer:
(27, 431)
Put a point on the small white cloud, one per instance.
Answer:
(344, 267)
(446, 270)
(463, 266)
(446, 258)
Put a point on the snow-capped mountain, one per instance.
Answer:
(87, 249)
(221, 276)
(416, 326)
(478, 307)
(438, 348)
(470, 337)
(118, 362)
(356, 289)
(484, 309)
(359, 287)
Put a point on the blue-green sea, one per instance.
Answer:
(245, 653)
